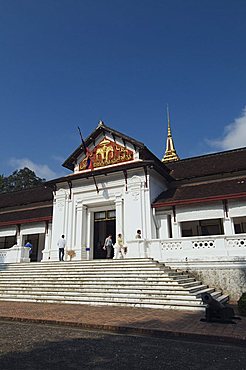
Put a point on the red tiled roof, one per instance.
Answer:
(31, 205)
(23, 197)
(190, 193)
(211, 164)
(26, 216)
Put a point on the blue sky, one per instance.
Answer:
(66, 63)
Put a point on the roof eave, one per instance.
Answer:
(111, 169)
(198, 200)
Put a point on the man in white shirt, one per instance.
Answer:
(61, 244)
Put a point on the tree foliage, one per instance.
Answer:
(1, 182)
(19, 180)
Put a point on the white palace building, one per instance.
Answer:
(191, 212)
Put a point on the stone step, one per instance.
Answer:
(193, 285)
(109, 298)
(111, 279)
(100, 290)
(89, 286)
(141, 272)
(86, 268)
(131, 282)
(102, 294)
(97, 274)
(94, 263)
(196, 288)
(81, 265)
(206, 290)
(223, 298)
(167, 305)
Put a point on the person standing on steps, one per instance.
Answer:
(120, 248)
(29, 245)
(138, 235)
(108, 246)
(61, 245)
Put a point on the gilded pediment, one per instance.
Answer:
(106, 153)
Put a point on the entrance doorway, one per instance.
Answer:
(37, 241)
(104, 224)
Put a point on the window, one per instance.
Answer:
(104, 215)
(239, 225)
(111, 214)
(7, 242)
(100, 215)
(202, 228)
(169, 225)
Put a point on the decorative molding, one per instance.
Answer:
(107, 153)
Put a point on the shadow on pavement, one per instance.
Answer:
(35, 346)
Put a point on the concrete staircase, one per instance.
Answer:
(129, 282)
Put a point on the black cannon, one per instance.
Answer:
(217, 311)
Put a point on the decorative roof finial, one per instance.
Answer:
(100, 123)
(169, 134)
(170, 153)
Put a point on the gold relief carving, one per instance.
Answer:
(107, 153)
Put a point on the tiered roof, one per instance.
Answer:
(211, 177)
(24, 206)
(206, 178)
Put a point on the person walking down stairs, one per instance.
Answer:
(120, 248)
(108, 246)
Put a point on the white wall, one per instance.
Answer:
(199, 211)
(237, 208)
(74, 217)
(7, 231)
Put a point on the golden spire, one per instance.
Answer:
(170, 153)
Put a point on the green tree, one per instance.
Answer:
(1, 183)
(20, 179)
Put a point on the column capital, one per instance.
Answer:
(118, 199)
(79, 205)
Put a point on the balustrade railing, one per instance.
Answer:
(14, 254)
(3, 254)
(192, 248)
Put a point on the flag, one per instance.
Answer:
(88, 153)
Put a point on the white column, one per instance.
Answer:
(47, 243)
(69, 223)
(84, 233)
(119, 214)
(175, 229)
(18, 236)
(89, 236)
(163, 231)
(228, 226)
(78, 231)
(147, 212)
(59, 221)
(133, 212)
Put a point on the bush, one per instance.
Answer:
(242, 305)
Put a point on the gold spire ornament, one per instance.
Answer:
(170, 153)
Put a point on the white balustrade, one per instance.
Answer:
(189, 249)
(14, 254)
(3, 254)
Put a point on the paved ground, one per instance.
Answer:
(35, 346)
(159, 323)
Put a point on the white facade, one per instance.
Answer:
(73, 215)
(181, 236)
